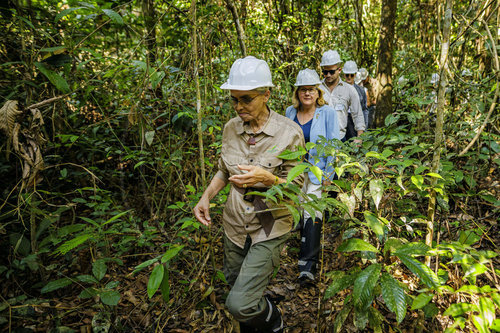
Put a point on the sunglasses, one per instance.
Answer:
(331, 72)
(350, 75)
(245, 100)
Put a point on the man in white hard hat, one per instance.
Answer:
(340, 95)
(350, 70)
(255, 230)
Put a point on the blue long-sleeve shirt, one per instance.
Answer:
(324, 124)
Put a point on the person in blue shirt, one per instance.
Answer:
(317, 120)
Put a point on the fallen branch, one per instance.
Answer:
(47, 101)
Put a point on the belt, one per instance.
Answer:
(264, 216)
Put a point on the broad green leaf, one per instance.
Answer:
(172, 252)
(145, 264)
(112, 284)
(481, 324)
(349, 201)
(99, 269)
(471, 289)
(458, 309)
(433, 174)
(496, 299)
(360, 318)
(374, 224)
(149, 135)
(475, 270)
(364, 284)
(89, 220)
(87, 279)
(418, 181)
(88, 293)
(425, 274)
(295, 171)
(421, 300)
(54, 78)
(392, 244)
(292, 155)
(430, 310)
(65, 12)
(110, 297)
(413, 249)
(155, 279)
(376, 190)
(496, 325)
(114, 16)
(375, 319)
(338, 284)
(356, 244)
(53, 49)
(295, 213)
(57, 284)
(394, 296)
(341, 317)
(487, 309)
(165, 286)
(317, 172)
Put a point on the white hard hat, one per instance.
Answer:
(350, 67)
(307, 77)
(363, 74)
(466, 72)
(402, 80)
(357, 78)
(330, 58)
(434, 78)
(247, 74)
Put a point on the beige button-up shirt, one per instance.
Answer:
(277, 135)
(342, 98)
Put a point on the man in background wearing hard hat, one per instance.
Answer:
(366, 81)
(340, 95)
(350, 69)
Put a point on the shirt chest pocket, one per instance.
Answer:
(232, 161)
(270, 163)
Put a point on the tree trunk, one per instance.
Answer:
(438, 138)
(148, 9)
(384, 64)
(194, 41)
(239, 29)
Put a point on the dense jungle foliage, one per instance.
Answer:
(111, 121)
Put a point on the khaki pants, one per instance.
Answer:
(249, 271)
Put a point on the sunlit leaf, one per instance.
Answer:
(419, 269)
(376, 190)
(363, 286)
(394, 296)
(356, 244)
(295, 171)
(421, 300)
(155, 279)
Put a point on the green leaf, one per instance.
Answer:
(487, 309)
(475, 270)
(87, 279)
(496, 325)
(145, 264)
(117, 216)
(53, 49)
(73, 243)
(57, 284)
(376, 190)
(338, 284)
(54, 78)
(110, 297)
(375, 319)
(430, 310)
(149, 135)
(414, 248)
(292, 155)
(165, 286)
(99, 269)
(421, 300)
(356, 244)
(480, 324)
(394, 296)
(155, 279)
(471, 289)
(364, 284)
(295, 171)
(295, 213)
(374, 224)
(88, 293)
(114, 16)
(172, 252)
(317, 172)
(360, 318)
(458, 309)
(418, 181)
(422, 271)
(65, 12)
(433, 174)
(341, 317)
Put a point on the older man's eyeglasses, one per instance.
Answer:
(331, 71)
(245, 100)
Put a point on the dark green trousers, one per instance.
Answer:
(249, 271)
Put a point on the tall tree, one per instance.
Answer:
(148, 9)
(239, 29)
(384, 63)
